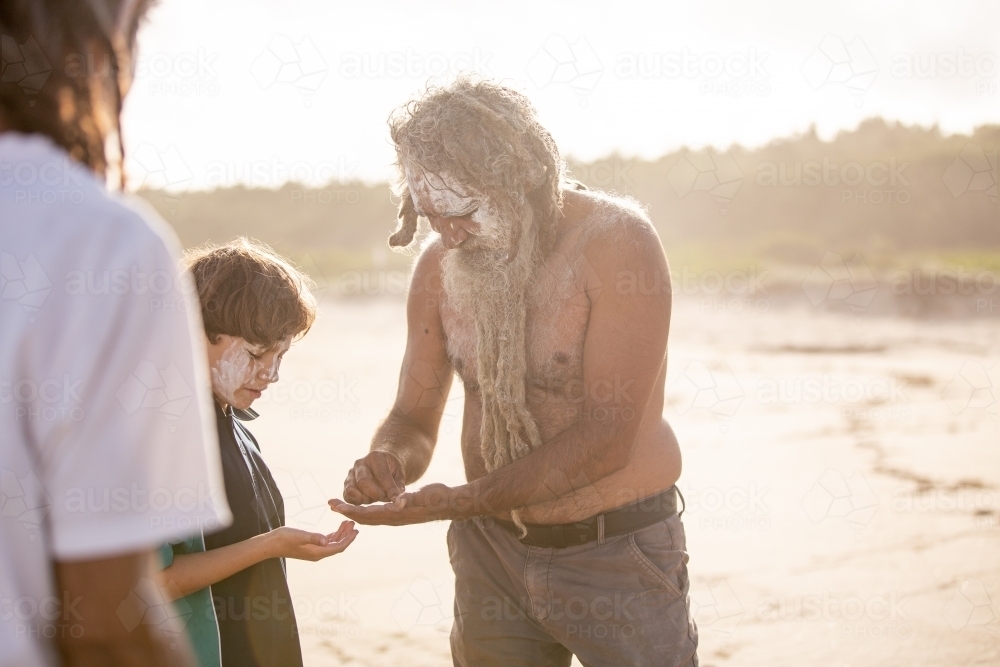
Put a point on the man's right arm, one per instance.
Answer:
(94, 591)
(403, 444)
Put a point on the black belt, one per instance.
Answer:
(620, 521)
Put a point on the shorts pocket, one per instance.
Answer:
(652, 549)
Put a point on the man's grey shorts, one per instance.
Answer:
(620, 602)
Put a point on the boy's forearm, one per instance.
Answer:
(192, 572)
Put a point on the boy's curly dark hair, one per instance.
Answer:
(248, 290)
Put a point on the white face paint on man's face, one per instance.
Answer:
(241, 371)
(455, 211)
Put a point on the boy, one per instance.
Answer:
(253, 305)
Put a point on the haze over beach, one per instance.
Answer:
(300, 91)
(824, 183)
(895, 203)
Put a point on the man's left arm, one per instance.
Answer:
(623, 356)
(624, 353)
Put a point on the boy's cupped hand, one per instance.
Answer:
(287, 542)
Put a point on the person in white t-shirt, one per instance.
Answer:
(107, 438)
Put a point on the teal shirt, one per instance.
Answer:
(197, 609)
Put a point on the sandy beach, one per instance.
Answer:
(841, 472)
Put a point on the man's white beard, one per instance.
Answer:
(492, 291)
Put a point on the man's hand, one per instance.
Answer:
(286, 542)
(434, 502)
(384, 514)
(378, 477)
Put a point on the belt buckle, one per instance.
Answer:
(559, 536)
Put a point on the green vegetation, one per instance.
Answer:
(912, 199)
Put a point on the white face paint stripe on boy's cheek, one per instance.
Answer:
(236, 369)
(233, 370)
(270, 373)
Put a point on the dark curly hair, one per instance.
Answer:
(50, 84)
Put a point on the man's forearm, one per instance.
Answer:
(400, 436)
(575, 459)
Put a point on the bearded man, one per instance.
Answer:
(566, 539)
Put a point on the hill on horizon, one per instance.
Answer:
(897, 195)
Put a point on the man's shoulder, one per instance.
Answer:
(126, 224)
(67, 205)
(613, 227)
(427, 267)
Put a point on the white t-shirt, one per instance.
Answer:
(107, 434)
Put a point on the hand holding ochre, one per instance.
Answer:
(377, 477)
(434, 502)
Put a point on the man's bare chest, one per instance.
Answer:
(556, 328)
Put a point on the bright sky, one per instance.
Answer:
(263, 91)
